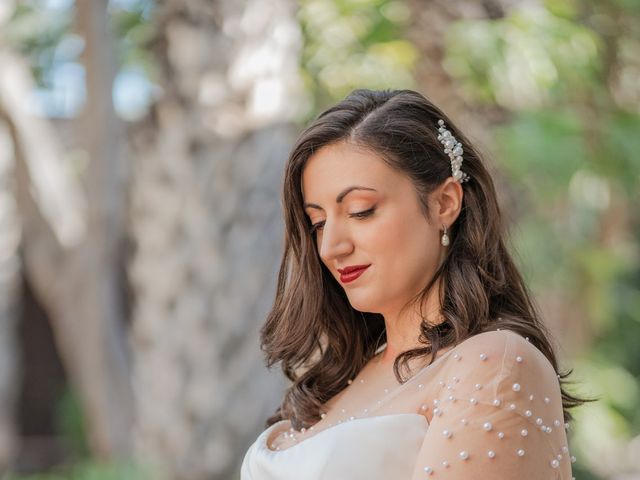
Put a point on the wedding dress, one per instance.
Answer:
(488, 408)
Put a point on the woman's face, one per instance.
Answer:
(366, 213)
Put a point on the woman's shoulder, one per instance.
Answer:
(502, 357)
(497, 344)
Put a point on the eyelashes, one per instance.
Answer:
(360, 215)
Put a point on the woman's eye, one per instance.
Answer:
(364, 214)
(316, 226)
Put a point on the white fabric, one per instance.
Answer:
(488, 408)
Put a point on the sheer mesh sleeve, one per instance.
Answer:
(496, 413)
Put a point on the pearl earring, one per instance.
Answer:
(445, 238)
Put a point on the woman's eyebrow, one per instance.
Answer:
(341, 195)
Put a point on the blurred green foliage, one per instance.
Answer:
(90, 470)
(570, 152)
(70, 424)
(352, 44)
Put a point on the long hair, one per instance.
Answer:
(321, 340)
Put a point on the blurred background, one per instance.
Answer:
(141, 153)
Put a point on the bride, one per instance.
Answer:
(412, 345)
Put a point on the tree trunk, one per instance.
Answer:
(205, 217)
(70, 239)
(10, 275)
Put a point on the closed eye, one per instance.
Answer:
(361, 215)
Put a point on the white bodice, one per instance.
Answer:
(343, 451)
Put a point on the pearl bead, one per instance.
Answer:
(539, 421)
(437, 411)
(547, 400)
(386, 390)
(516, 387)
(441, 383)
(491, 454)
(487, 426)
(512, 406)
(420, 385)
(322, 415)
(496, 403)
(519, 359)
(445, 464)
(343, 410)
(527, 413)
(456, 356)
(573, 459)
(428, 470)
(362, 380)
(423, 407)
(531, 397)
(473, 401)
(555, 463)
(500, 435)
(463, 421)
(559, 457)
(565, 449)
(447, 433)
(349, 381)
(557, 423)
(456, 379)
(478, 386)
(524, 432)
(352, 418)
(464, 455)
(483, 356)
(520, 452)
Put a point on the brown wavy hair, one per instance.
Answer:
(321, 340)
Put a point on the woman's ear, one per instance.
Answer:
(448, 199)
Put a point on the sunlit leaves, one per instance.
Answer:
(529, 59)
(352, 44)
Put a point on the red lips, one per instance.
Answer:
(351, 268)
(350, 273)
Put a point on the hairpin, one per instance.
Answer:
(454, 149)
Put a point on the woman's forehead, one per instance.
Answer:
(336, 167)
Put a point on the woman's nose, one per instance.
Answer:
(335, 242)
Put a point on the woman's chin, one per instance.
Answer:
(363, 303)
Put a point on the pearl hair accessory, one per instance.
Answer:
(454, 149)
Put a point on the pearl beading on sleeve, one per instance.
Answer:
(520, 407)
